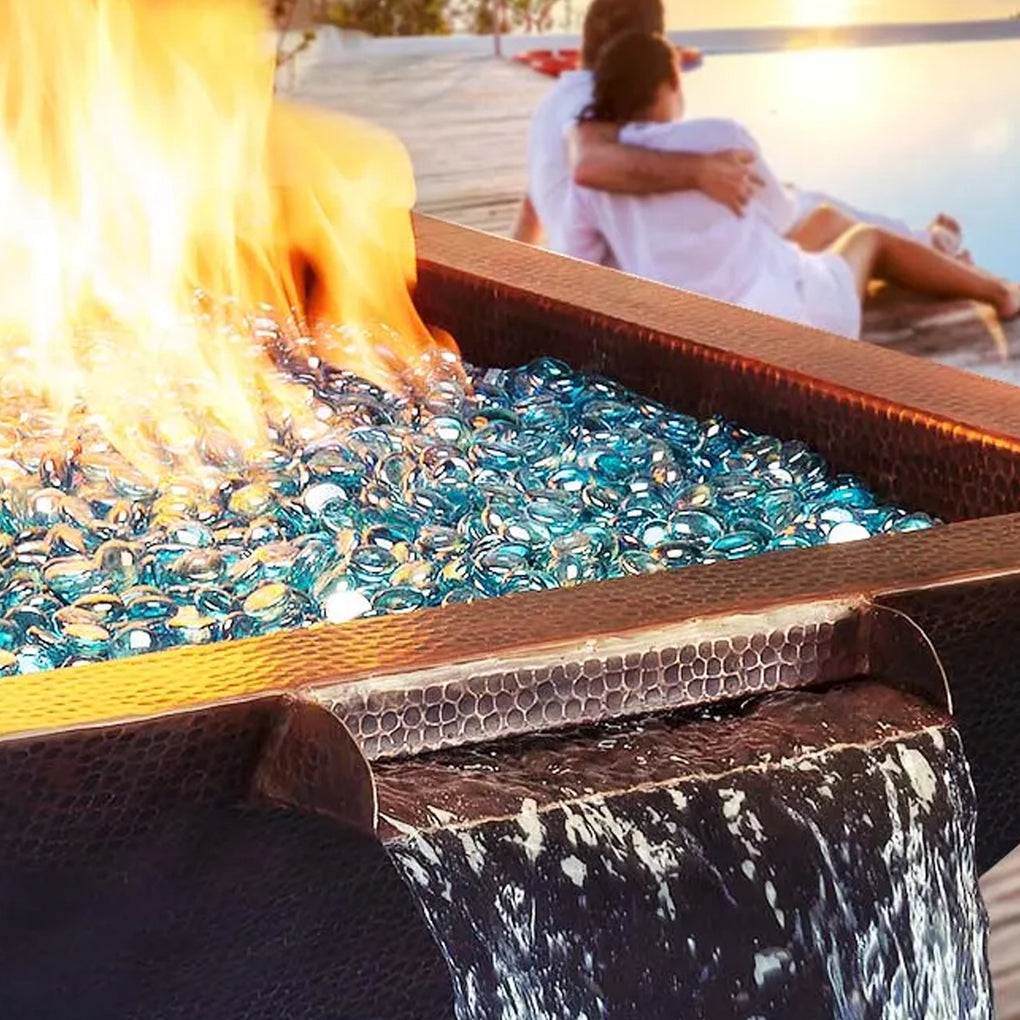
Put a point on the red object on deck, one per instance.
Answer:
(554, 62)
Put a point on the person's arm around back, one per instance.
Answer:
(600, 161)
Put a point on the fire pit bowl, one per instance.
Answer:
(180, 829)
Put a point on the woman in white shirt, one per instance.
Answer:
(686, 240)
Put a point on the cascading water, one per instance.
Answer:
(809, 855)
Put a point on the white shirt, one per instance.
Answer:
(686, 240)
(549, 175)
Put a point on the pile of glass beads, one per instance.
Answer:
(508, 481)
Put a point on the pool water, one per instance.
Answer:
(531, 478)
(908, 131)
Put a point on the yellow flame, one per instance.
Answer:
(154, 198)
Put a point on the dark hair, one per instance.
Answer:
(627, 76)
(606, 19)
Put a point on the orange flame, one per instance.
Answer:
(144, 162)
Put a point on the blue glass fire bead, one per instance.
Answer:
(146, 603)
(699, 527)
(398, 599)
(543, 413)
(33, 657)
(317, 495)
(339, 598)
(736, 489)
(103, 607)
(433, 505)
(605, 464)
(846, 531)
(272, 604)
(43, 508)
(30, 555)
(602, 500)
(414, 573)
(792, 540)
(493, 562)
(847, 492)
(237, 625)
(88, 640)
(526, 579)
(603, 412)
(315, 555)
(757, 454)
(214, 601)
(652, 531)
(396, 471)
(65, 540)
(494, 454)
(10, 635)
(18, 587)
(738, 544)
(74, 576)
(637, 561)
(437, 542)
(120, 562)
(372, 563)
(447, 429)
(525, 530)
(254, 500)
(262, 531)
(675, 555)
(780, 506)
(274, 459)
(336, 464)
(557, 517)
(574, 558)
(698, 496)
(292, 517)
(8, 663)
(461, 594)
(244, 576)
(190, 626)
(137, 637)
(643, 494)
(910, 522)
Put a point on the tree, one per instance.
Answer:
(390, 17)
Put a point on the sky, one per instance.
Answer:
(700, 14)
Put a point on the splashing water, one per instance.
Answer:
(831, 880)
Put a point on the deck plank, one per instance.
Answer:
(464, 120)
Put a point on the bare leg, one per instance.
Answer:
(872, 252)
(820, 228)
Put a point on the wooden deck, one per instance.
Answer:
(463, 116)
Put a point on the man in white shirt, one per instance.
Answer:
(592, 155)
(599, 160)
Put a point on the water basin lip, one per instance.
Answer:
(872, 714)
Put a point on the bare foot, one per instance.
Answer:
(945, 234)
(1008, 304)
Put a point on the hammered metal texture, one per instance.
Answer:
(470, 703)
(920, 434)
(470, 784)
(311, 762)
(975, 629)
(137, 884)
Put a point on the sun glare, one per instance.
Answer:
(810, 13)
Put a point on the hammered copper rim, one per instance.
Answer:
(881, 378)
